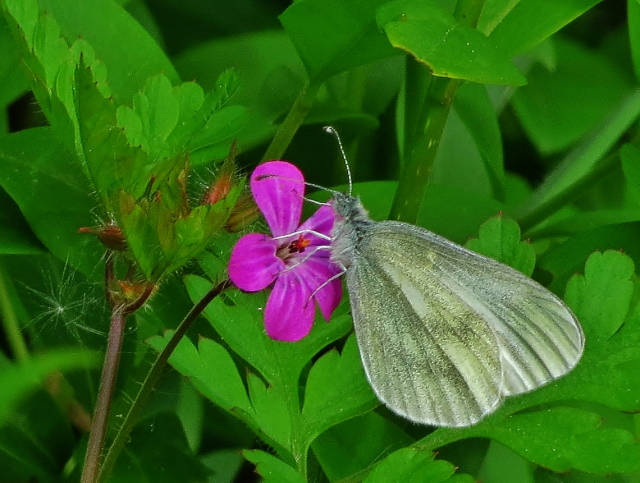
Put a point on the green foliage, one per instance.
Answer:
(488, 122)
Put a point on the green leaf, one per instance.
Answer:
(238, 318)
(158, 451)
(433, 37)
(16, 237)
(271, 468)
(17, 380)
(37, 440)
(556, 107)
(602, 297)
(580, 163)
(633, 20)
(415, 465)
(336, 381)
(13, 80)
(271, 71)
(211, 370)
(494, 12)
(630, 158)
(499, 239)
(529, 22)
(273, 412)
(580, 439)
(130, 54)
(566, 259)
(343, 452)
(165, 121)
(54, 189)
(353, 39)
(473, 106)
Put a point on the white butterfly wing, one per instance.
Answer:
(445, 333)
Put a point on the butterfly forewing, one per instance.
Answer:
(445, 333)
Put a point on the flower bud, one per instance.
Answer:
(243, 214)
(110, 236)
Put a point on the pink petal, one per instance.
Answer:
(278, 188)
(322, 222)
(254, 264)
(290, 311)
(316, 271)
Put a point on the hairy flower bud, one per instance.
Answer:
(110, 236)
(243, 214)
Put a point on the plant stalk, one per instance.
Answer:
(152, 378)
(292, 122)
(119, 313)
(425, 125)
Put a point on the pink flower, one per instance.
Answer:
(290, 259)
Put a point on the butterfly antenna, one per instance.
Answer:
(332, 130)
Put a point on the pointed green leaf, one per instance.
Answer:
(500, 239)
(336, 390)
(414, 464)
(431, 34)
(272, 469)
(354, 39)
(210, 368)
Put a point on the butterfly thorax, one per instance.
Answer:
(351, 225)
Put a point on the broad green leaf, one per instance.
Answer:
(433, 37)
(630, 158)
(576, 439)
(580, 163)
(556, 108)
(415, 464)
(37, 440)
(529, 22)
(211, 370)
(123, 45)
(633, 19)
(47, 183)
(493, 12)
(158, 451)
(473, 106)
(566, 259)
(272, 469)
(499, 239)
(16, 236)
(13, 80)
(343, 452)
(336, 380)
(459, 162)
(353, 38)
(502, 463)
(19, 379)
(443, 203)
(275, 408)
(238, 318)
(271, 71)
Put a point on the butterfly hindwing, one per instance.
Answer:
(445, 333)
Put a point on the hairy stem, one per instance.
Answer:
(152, 378)
(105, 396)
(109, 376)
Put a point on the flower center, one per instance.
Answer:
(298, 246)
(289, 250)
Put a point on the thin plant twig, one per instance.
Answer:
(153, 376)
